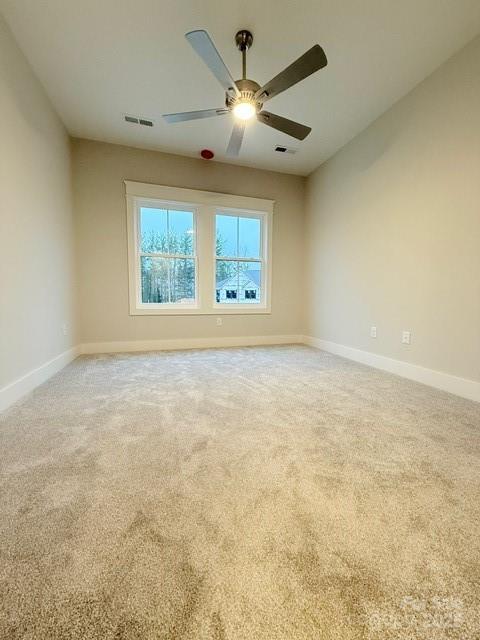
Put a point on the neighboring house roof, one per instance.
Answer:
(250, 275)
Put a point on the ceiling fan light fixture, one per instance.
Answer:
(244, 98)
(244, 110)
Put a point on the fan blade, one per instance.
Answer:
(193, 115)
(291, 128)
(236, 138)
(203, 45)
(311, 61)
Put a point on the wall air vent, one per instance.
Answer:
(142, 121)
(281, 149)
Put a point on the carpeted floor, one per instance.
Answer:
(256, 493)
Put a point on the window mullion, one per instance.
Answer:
(206, 256)
(168, 279)
(238, 235)
(168, 230)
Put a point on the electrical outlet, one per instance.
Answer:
(373, 332)
(64, 329)
(406, 337)
(219, 322)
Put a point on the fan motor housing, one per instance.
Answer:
(248, 89)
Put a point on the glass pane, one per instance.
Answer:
(153, 230)
(238, 282)
(181, 232)
(227, 236)
(248, 237)
(168, 280)
(226, 290)
(166, 231)
(249, 282)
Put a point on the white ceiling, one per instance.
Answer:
(101, 59)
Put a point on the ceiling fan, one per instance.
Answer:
(245, 98)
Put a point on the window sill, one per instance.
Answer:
(189, 311)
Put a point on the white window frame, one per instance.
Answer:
(171, 206)
(205, 204)
(262, 260)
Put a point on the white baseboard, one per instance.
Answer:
(187, 343)
(469, 389)
(19, 387)
(463, 387)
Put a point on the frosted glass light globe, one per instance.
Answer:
(244, 110)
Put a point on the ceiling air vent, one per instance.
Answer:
(142, 121)
(281, 149)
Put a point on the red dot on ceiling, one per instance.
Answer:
(206, 154)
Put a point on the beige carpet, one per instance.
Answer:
(256, 493)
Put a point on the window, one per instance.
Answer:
(239, 256)
(197, 252)
(167, 256)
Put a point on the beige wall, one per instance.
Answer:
(99, 196)
(391, 236)
(393, 228)
(36, 226)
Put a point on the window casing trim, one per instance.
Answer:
(205, 205)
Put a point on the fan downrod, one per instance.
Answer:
(243, 40)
